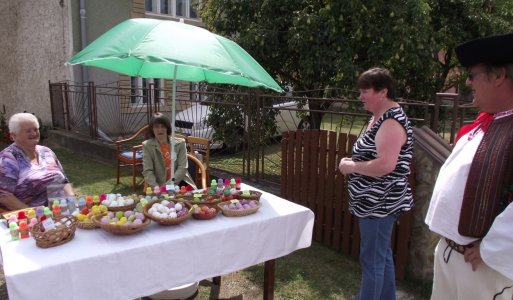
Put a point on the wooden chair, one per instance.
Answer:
(200, 147)
(129, 153)
(199, 172)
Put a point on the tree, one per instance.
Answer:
(317, 44)
(454, 22)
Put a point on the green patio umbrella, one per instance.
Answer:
(152, 48)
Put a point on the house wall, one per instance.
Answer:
(34, 49)
(39, 36)
(100, 16)
(8, 70)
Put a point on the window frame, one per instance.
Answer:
(140, 89)
(156, 8)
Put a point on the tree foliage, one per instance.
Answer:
(315, 44)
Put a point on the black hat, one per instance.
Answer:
(497, 49)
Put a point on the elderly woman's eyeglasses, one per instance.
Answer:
(472, 75)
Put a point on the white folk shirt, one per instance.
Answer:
(444, 210)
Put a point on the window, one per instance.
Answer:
(180, 8)
(143, 89)
(136, 91)
(198, 88)
(148, 5)
(193, 13)
(164, 7)
(173, 8)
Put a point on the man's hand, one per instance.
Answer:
(473, 255)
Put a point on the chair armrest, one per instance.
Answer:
(133, 137)
(199, 165)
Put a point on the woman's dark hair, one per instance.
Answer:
(159, 118)
(377, 79)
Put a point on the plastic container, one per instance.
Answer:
(24, 231)
(15, 232)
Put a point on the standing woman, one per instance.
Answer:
(378, 181)
(157, 155)
(27, 169)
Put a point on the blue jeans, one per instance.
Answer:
(376, 258)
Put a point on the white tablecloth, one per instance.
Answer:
(100, 265)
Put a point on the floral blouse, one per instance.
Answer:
(31, 183)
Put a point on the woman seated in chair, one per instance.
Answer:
(157, 155)
(29, 172)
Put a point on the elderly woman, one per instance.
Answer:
(378, 181)
(28, 170)
(157, 155)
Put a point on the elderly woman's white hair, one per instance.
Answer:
(16, 120)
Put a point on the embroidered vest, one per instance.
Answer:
(489, 186)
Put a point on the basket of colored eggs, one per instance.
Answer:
(211, 200)
(167, 212)
(204, 211)
(86, 215)
(239, 208)
(62, 232)
(122, 223)
(250, 195)
(120, 203)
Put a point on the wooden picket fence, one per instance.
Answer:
(310, 177)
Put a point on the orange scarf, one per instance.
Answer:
(164, 148)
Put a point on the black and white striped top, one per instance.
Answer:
(378, 197)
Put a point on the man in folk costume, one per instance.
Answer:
(471, 203)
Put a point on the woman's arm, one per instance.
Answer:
(390, 137)
(68, 189)
(11, 202)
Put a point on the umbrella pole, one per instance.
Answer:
(173, 114)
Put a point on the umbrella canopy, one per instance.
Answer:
(152, 48)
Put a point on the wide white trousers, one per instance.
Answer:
(454, 278)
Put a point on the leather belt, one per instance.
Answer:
(457, 247)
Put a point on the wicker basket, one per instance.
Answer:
(204, 216)
(166, 221)
(213, 202)
(120, 229)
(253, 195)
(238, 213)
(87, 225)
(122, 208)
(54, 237)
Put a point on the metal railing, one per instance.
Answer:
(111, 112)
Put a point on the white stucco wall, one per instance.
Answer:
(8, 71)
(35, 46)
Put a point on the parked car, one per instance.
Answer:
(192, 121)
